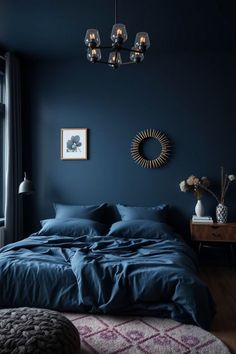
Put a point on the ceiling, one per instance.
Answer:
(49, 28)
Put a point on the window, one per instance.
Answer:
(2, 120)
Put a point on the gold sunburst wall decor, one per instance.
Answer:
(165, 148)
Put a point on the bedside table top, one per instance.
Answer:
(213, 223)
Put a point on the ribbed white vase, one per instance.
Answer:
(199, 209)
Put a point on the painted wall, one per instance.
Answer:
(191, 97)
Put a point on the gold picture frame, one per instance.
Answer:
(165, 148)
(74, 144)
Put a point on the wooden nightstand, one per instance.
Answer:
(214, 233)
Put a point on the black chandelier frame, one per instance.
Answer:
(117, 47)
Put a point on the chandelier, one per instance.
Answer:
(118, 36)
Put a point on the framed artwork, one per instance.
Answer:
(74, 144)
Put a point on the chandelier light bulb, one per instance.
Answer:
(119, 33)
(94, 54)
(142, 41)
(115, 59)
(92, 38)
(135, 56)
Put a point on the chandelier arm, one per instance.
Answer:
(121, 48)
(107, 62)
(101, 62)
(105, 47)
(128, 62)
(132, 50)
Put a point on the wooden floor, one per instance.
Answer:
(222, 284)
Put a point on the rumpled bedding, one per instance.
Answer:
(106, 275)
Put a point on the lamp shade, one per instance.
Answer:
(136, 56)
(92, 38)
(115, 59)
(119, 33)
(142, 40)
(94, 54)
(26, 186)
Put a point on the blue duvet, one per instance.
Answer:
(105, 275)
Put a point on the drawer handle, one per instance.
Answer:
(215, 227)
(216, 235)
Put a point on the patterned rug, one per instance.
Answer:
(142, 335)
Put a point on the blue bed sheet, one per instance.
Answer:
(106, 275)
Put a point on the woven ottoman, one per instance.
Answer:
(37, 331)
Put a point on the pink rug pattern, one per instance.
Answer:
(142, 335)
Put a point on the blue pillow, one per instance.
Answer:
(140, 229)
(156, 213)
(91, 212)
(72, 227)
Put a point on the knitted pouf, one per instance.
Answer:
(37, 331)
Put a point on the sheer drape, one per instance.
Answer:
(13, 150)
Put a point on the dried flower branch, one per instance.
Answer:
(225, 180)
(212, 193)
(194, 184)
(198, 185)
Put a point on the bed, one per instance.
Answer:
(137, 266)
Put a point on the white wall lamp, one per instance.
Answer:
(26, 187)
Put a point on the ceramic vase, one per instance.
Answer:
(221, 213)
(199, 209)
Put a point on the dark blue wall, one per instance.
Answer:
(191, 97)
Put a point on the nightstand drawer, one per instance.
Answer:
(213, 232)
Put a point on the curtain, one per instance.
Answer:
(13, 152)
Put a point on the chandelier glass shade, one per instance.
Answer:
(118, 37)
